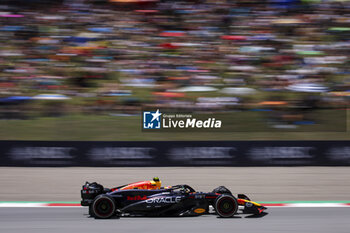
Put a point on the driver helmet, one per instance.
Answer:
(156, 182)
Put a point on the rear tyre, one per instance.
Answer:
(226, 206)
(103, 207)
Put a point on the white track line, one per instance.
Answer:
(22, 205)
(313, 205)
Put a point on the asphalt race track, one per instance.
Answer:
(262, 184)
(52, 220)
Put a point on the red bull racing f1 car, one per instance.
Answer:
(147, 198)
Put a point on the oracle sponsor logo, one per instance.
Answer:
(201, 153)
(165, 200)
(280, 153)
(43, 153)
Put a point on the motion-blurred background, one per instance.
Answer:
(84, 69)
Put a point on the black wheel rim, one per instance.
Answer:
(104, 207)
(226, 206)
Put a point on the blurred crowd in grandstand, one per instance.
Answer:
(204, 55)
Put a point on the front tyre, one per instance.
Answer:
(226, 206)
(103, 207)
